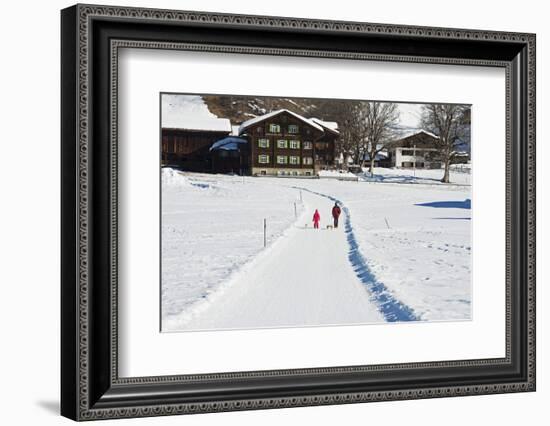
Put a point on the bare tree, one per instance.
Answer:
(366, 128)
(349, 124)
(380, 123)
(356, 124)
(451, 123)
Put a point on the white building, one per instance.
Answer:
(416, 149)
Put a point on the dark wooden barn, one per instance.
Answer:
(189, 149)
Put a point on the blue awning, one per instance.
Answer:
(230, 143)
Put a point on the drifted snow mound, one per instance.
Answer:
(336, 174)
(175, 179)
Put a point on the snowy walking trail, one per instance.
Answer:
(315, 280)
(391, 308)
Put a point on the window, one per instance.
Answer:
(294, 159)
(308, 145)
(308, 160)
(263, 159)
(263, 143)
(294, 173)
(293, 128)
(407, 152)
(294, 144)
(259, 130)
(274, 128)
(282, 143)
(282, 159)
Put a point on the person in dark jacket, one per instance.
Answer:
(336, 214)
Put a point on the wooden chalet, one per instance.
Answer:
(415, 149)
(325, 146)
(283, 143)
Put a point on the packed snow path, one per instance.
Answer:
(391, 308)
(308, 277)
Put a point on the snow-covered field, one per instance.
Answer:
(416, 240)
(402, 252)
(212, 226)
(425, 176)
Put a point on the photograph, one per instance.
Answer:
(301, 212)
(269, 207)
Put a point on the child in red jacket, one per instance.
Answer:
(316, 219)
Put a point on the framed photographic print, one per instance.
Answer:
(263, 212)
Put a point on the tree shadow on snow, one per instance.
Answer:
(466, 204)
(398, 178)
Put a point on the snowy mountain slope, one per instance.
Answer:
(241, 108)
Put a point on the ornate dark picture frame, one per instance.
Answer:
(90, 385)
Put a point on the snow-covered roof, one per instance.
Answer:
(190, 112)
(255, 120)
(331, 125)
(230, 143)
(382, 155)
(406, 133)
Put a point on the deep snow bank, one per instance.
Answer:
(212, 225)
